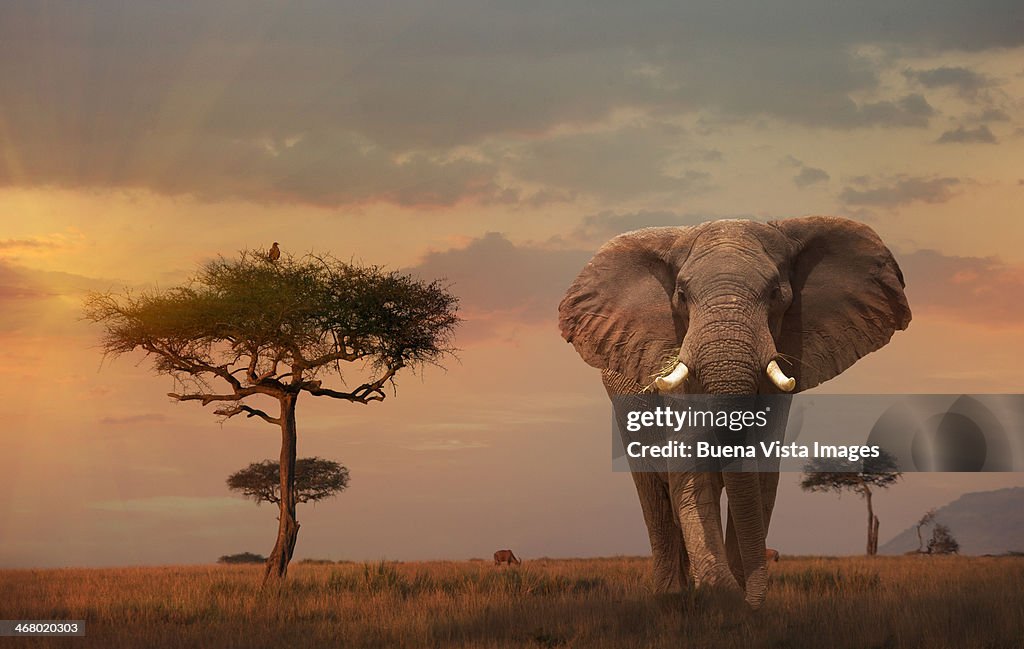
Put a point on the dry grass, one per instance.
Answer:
(813, 602)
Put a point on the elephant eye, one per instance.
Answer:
(776, 293)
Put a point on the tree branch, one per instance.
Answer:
(238, 395)
(250, 412)
(331, 357)
(365, 393)
(191, 365)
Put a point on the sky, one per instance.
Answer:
(497, 145)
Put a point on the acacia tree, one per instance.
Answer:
(315, 480)
(927, 519)
(831, 474)
(250, 327)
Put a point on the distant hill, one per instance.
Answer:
(984, 522)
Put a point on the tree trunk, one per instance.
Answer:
(872, 522)
(874, 537)
(288, 527)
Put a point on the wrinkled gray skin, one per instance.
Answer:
(726, 298)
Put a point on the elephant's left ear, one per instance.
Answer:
(848, 297)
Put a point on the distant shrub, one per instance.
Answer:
(244, 557)
(943, 541)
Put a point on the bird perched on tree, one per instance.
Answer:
(275, 252)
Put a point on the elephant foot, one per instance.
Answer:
(757, 588)
(718, 597)
(718, 576)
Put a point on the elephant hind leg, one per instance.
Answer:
(671, 571)
(732, 552)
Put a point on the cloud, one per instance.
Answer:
(499, 281)
(170, 505)
(810, 176)
(899, 190)
(630, 161)
(344, 104)
(980, 290)
(326, 167)
(21, 244)
(993, 115)
(961, 135)
(10, 293)
(132, 420)
(966, 82)
(807, 176)
(444, 445)
(910, 110)
(50, 245)
(42, 301)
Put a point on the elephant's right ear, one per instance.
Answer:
(618, 313)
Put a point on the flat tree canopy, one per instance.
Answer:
(265, 327)
(837, 474)
(315, 480)
(255, 326)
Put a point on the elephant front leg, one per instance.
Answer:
(670, 562)
(697, 499)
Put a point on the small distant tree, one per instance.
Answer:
(927, 519)
(839, 474)
(943, 541)
(255, 327)
(315, 480)
(242, 557)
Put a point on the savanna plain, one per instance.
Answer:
(884, 602)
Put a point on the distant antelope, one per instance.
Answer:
(505, 556)
(771, 554)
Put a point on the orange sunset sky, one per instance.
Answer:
(497, 145)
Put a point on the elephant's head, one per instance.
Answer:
(728, 298)
(736, 307)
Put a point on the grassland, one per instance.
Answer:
(932, 602)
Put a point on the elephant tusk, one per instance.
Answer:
(673, 379)
(779, 378)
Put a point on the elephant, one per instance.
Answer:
(722, 308)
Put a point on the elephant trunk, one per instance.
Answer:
(746, 515)
(728, 351)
